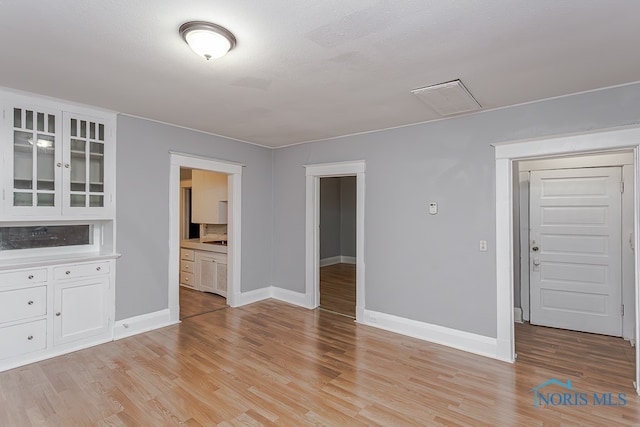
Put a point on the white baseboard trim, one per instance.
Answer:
(292, 297)
(250, 297)
(466, 341)
(517, 315)
(143, 323)
(329, 261)
(340, 259)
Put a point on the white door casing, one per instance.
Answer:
(312, 229)
(575, 249)
(234, 170)
(624, 138)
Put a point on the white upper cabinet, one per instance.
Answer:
(209, 197)
(58, 160)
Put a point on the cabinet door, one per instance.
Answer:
(87, 181)
(221, 279)
(206, 272)
(81, 310)
(208, 190)
(33, 165)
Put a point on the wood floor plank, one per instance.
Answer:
(271, 363)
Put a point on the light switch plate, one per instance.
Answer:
(433, 208)
(483, 246)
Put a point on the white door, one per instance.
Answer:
(575, 249)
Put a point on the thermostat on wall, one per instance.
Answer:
(433, 208)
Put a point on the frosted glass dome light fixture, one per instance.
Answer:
(206, 39)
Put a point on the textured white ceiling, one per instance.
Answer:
(308, 70)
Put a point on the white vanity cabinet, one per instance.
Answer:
(211, 272)
(51, 310)
(59, 160)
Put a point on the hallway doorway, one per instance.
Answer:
(338, 244)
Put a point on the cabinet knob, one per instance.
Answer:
(97, 268)
(59, 164)
(30, 303)
(30, 277)
(30, 337)
(58, 314)
(67, 272)
(67, 165)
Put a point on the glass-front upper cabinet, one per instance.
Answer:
(59, 160)
(85, 187)
(35, 163)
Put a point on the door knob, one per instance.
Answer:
(535, 249)
(536, 261)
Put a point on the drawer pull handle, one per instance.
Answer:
(30, 277)
(30, 337)
(58, 314)
(30, 303)
(97, 268)
(67, 272)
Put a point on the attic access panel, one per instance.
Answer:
(447, 98)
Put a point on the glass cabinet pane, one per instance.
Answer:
(87, 163)
(34, 158)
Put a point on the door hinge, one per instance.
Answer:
(622, 310)
(622, 186)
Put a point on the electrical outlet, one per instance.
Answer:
(483, 246)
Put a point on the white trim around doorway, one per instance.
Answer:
(312, 235)
(234, 170)
(505, 153)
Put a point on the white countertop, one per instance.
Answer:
(40, 261)
(197, 244)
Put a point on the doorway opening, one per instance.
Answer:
(506, 154)
(574, 260)
(338, 244)
(314, 173)
(203, 241)
(213, 265)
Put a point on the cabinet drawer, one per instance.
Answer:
(23, 277)
(18, 304)
(81, 270)
(23, 338)
(187, 279)
(187, 254)
(186, 266)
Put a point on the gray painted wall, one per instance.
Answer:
(143, 209)
(337, 216)
(330, 217)
(418, 266)
(348, 216)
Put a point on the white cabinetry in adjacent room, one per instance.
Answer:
(59, 161)
(204, 270)
(209, 197)
(211, 272)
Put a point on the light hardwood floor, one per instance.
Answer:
(271, 363)
(193, 303)
(338, 288)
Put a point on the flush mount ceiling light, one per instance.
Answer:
(206, 39)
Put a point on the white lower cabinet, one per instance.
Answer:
(204, 271)
(81, 310)
(52, 310)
